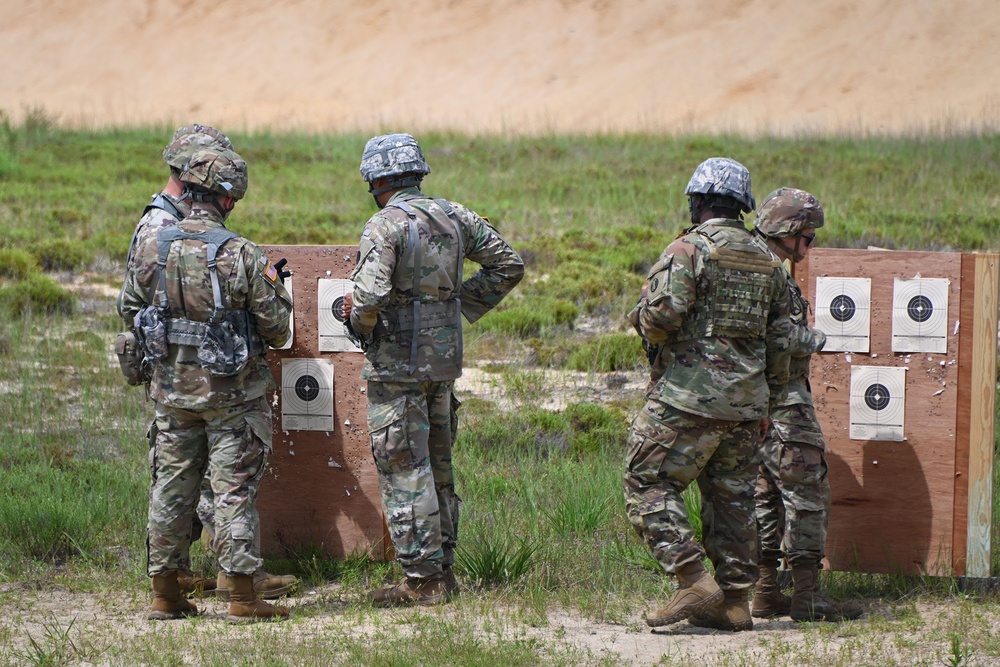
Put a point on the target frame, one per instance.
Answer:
(332, 333)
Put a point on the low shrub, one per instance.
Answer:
(36, 293)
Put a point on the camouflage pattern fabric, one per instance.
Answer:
(392, 155)
(793, 490)
(179, 380)
(412, 416)
(732, 378)
(788, 211)
(701, 418)
(412, 427)
(230, 444)
(189, 139)
(151, 222)
(722, 176)
(667, 450)
(383, 285)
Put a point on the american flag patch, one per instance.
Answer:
(271, 273)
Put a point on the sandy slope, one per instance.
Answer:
(508, 65)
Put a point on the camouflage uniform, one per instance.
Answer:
(715, 315)
(206, 422)
(165, 210)
(793, 492)
(411, 367)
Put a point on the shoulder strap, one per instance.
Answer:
(213, 240)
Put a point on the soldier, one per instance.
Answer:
(205, 303)
(165, 210)
(793, 492)
(714, 316)
(408, 299)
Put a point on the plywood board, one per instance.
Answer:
(321, 488)
(893, 502)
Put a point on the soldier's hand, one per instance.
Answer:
(345, 309)
(765, 426)
(279, 266)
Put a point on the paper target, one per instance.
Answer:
(291, 318)
(843, 313)
(332, 334)
(920, 315)
(878, 399)
(307, 394)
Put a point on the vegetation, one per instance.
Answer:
(543, 519)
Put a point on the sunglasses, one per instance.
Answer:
(809, 239)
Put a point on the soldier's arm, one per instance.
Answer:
(267, 299)
(377, 252)
(139, 284)
(501, 268)
(672, 290)
(778, 338)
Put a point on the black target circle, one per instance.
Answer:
(877, 396)
(920, 308)
(307, 388)
(842, 308)
(338, 304)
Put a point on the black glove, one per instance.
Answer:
(279, 266)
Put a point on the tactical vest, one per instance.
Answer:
(411, 321)
(163, 203)
(226, 341)
(738, 298)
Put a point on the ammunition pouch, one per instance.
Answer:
(132, 360)
(151, 333)
(224, 347)
(421, 316)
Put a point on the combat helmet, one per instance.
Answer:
(722, 177)
(787, 212)
(396, 157)
(216, 171)
(190, 139)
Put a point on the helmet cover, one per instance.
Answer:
(190, 139)
(724, 177)
(389, 155)
(787, 212)
(221, 171)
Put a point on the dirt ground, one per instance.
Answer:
(509, 66)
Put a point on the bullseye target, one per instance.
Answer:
(877, 402)
(332, 333)
(307, 394)
(920, 315)
(843, 313)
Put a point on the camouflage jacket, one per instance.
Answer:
(385, 287)
(804, 342)
(153, 219)
(247, 282)
(739, 366)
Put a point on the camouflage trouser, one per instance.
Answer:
(204, 517)
(667, 450)
(793, 492)
(230, 445)
(412, 426)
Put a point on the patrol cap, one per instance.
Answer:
(220, 171)
(189, 139)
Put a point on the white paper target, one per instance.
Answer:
(843, 313)
(291, 318)
(332, 333)
(920, 315)
(307, 395)
(878, 401)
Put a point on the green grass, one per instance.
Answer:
(543, 519)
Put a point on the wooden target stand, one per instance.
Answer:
(923, 505)
(321, 488)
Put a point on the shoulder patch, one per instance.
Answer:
(271, 272)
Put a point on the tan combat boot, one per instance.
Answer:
(167, 601)
(732, 615)
(268, 586)
(244, 607)
(194, 584)
(697, 591)
(768, 600)
(809, 605)
(450, 583)
(410, 591)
